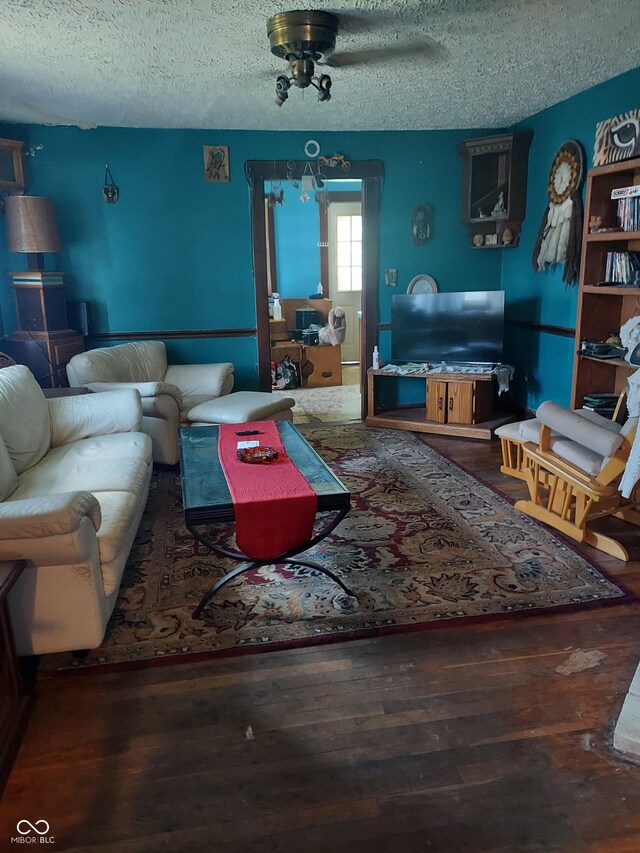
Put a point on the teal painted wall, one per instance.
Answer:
(175, 251)
(297, 235)
(297, 231)
(545, 361)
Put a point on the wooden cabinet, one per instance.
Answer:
(45, 355)
(603, 309)
(43, 342)
(322, 366)
(16, 700)
(455, 405)
(494, 188)
(436, 401)
(461, 397)
(458, 401)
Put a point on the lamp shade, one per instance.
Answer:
(31, 224)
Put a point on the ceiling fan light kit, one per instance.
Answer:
(302, 38)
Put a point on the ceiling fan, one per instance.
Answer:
(305, 38)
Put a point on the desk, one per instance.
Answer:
(319, 366)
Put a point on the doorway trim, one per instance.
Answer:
(371, 173)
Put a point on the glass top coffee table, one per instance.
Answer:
(207, 499)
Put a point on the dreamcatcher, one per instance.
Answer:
(560, 236)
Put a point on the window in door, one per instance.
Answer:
(348, 253)
(344, 233)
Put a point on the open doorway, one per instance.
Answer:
(346, 268)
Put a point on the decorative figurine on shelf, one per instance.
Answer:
(478, 240)
(507, 237)
(595, 224)
(499, 209)
(491, 240)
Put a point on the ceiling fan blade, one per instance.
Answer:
(430, 50)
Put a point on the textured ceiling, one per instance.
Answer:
(206, 63)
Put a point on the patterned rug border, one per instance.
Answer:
(571, 544)
(182, 658)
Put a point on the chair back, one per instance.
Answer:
(142, 361)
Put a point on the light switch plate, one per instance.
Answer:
(391, 277)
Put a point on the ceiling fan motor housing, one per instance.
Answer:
(305, 35)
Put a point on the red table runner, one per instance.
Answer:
(275, 507)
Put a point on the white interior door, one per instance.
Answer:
(344, 226)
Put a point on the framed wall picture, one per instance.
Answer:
(216, 164)
(617, 138)
(11, 170)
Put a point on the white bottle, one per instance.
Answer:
(376, 359)
(320, 289)
(277, 308)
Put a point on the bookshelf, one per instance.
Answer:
(603, 309)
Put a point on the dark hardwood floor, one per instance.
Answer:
(477, 738)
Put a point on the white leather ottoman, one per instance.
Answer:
(241, 407)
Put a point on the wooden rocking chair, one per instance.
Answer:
(573, 475)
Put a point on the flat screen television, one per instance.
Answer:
(453, 327)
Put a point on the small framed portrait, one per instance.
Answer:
(216, 164)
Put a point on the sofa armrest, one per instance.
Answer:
(145, 389)
(197, 380)
(88, 415)
(52, 515)
(579, 429)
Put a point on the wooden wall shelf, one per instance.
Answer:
(608, 236)
(494, 171)
(611, 290)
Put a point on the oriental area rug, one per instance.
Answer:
(425, 544)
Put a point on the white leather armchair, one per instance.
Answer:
(168, 392)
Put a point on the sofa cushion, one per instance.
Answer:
(24, 417)
(118, 462)
(578, 429)
(144, 361)
(577, 454)
(8, 475)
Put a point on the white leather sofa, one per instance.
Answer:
(74, 481)
(168, 392)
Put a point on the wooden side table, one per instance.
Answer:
(16, 699)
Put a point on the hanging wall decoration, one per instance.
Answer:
(110, 192)
(617, 138)
(560, 236)
(216, 164)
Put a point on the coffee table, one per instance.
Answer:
(207, 499)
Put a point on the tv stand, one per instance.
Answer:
(456, 404)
